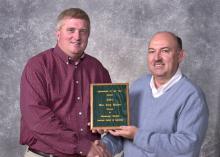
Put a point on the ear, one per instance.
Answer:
(181, 56)
(57, 34)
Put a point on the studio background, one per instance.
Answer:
(119, 34)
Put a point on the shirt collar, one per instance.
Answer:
(67, 59)
(161, 90)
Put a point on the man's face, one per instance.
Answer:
(73, 36)
(163, 56)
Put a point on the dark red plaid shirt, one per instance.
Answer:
(54, 102)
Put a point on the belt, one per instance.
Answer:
(40, 153)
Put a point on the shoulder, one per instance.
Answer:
(142, 83)
(94, 64)
(92, 60)
(39, 61)
(40, 58)
(95, 69)
(191, 94)
(192, 98)
(190, 87)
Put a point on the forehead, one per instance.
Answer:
(74, 22)
(163, 40)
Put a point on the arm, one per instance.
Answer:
(186, 134)
(113, 144)
(191, 127)
(39, 117)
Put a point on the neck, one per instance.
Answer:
(77, 56)
(74, 56)
(159, 82)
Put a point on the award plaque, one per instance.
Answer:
(109, 105)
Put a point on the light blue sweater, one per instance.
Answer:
(172, 125)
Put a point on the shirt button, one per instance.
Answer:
(81, 129)
(67, 62)
(78, 98)
(80, 113)
(80, 153)
(77, 82)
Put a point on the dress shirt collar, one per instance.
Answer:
(161, 90)
(67, 59)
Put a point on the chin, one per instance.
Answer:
(76, 52)
(159, 74)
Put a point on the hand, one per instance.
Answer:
(100, 131)
(125, 131)
(98, 150)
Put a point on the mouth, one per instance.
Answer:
(158, 64)
(75, 43)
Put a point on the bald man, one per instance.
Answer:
(169, 114)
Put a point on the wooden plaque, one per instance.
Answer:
(109, 105)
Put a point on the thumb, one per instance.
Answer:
(96, 142)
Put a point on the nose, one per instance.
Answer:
(76, 35)
(157, 55)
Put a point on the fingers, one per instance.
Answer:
(116, 132)
(97, 142)
(100, 131)
(94, 131)
(98, 149)
(100, 146)
(95, 150)
(125, 131)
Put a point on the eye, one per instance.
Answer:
(71, 30)
(151, 51)
(165, 50)
(83, 31)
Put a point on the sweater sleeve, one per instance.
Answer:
(191, 126)
(112, 143)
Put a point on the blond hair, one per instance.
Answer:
(76, 13)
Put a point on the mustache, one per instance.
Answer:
(158, 62)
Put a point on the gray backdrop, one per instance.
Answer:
(120, 30)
